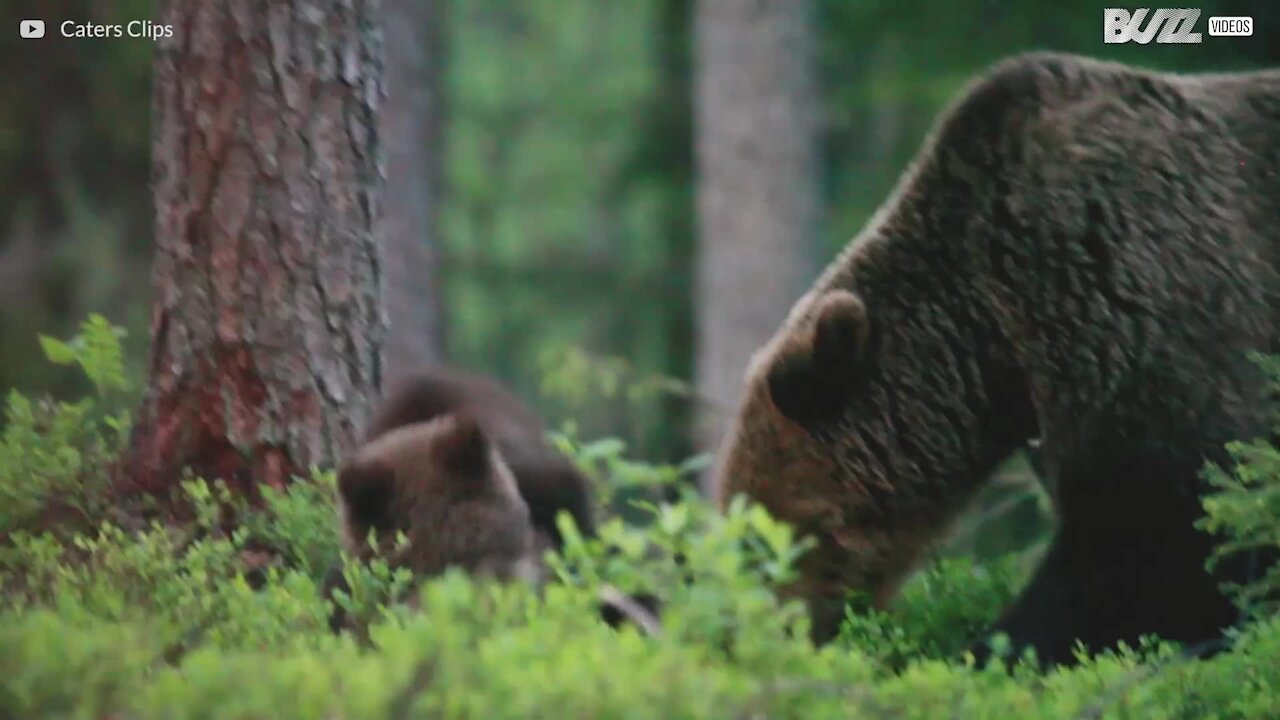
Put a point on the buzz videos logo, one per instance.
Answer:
(1175, 26)
(31, 29)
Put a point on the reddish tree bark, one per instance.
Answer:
(267, 324)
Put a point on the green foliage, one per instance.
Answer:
(299, 523)
(479, 650)
(714, 572)
(54, 667)
(55, 456)
(187, 583)
(373, 590)
(614, 475)
(571, 374)
(942, 611)
(220, 615)
(97, 350)
(1244, 511)
(558, 233)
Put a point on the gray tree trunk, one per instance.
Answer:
(756, 133)
(266, 323)
(412, 131)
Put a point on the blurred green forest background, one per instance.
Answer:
(567, 226)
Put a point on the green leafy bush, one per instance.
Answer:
(187, 584)
(619, 481)
(219, 615)
(479, 650)
(300, 523)
(942, 611)
(1244, 510)
(54, 456)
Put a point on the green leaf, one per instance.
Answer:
(57, 351)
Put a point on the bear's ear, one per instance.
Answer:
(463, 447)
(367, 488)
(814, 383)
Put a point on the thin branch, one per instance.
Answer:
(632, 610)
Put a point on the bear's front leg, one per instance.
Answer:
(1101, 585)
(1048, 616)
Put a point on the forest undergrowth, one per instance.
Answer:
(207, 604)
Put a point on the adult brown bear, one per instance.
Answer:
(1083, 252)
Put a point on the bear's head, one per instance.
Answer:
(548, 481)
(864, 433)
(444, 487)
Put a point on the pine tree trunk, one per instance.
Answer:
(266, 323)
(756, 133)
(412, 132)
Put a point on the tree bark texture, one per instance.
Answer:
(267, 322)
(412, 133)
(758, 194)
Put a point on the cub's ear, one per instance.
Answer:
(463, 447)
(813, 383)
(367, 489)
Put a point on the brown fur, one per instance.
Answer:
(446, 489)
(496, 517)
(547, 480)
(1082, 252)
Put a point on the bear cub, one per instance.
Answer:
(462, 469)
(443, 486)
